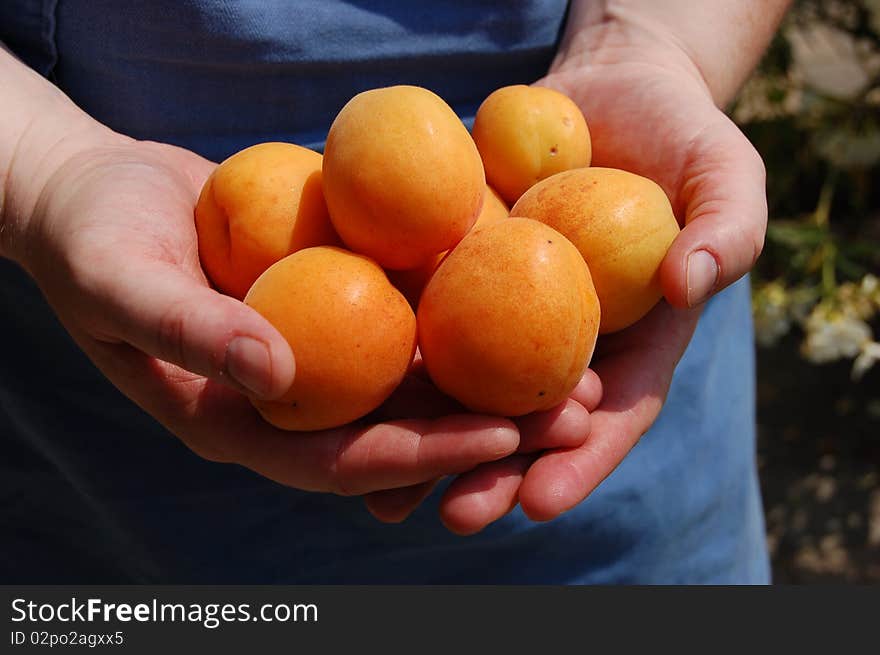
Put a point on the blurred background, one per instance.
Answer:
(813, 111)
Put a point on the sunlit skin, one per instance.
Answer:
(91, 214)
(651, 112)
(95, 228)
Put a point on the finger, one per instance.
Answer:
(588, 392)
(165, 313)
(221, 425)
(403, 453)
(395, 505)
(482, 496)
(559, 480)
(723, 191)
(566, 425)
(354, 459)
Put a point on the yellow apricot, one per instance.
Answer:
(528, 133)
(353, 336)
(508, 322)
(411, 282)
(494, 209)
(402, 176)
(260, 204)
(622, 224)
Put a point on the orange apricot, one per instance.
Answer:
(402, 176)
(411, 282)
(352, 333)
(622, 224)
(494, 209)
(508, 322)
(528, 133)
(260, 204)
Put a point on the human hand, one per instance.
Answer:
(110, 239)
(565, 426)
(651, 113)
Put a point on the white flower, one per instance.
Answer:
(771, 326)
(870, 289)
(869, 355)
(832, 335)
(771, 314)
(801, 301)
(858, 299)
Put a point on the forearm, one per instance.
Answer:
(721, 41)
(39, 128)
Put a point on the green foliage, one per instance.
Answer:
(813, 111)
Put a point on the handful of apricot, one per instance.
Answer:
(393, 240)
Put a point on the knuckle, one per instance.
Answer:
(170, 335)
(369, 457)
(340, 475)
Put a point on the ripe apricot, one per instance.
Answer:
(402, 176)
(622, 224)
(528, 133)
(353, 336)
(494, 209)
(508, 322)
(260, 204)
(411, 282)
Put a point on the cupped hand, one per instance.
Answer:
(112, 244)
(660, 122)
(654, 117)
(565, 426)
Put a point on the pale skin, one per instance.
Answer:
(104, 225)
(652, 78)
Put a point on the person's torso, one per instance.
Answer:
(93, 490)
(215, 75)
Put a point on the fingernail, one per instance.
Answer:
(702, 275)
(248, 363)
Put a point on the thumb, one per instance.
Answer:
(169, 315)
(723, 192)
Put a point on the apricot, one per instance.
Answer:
(494, 209)
(352, 333)
(402, 176)
(508, 322)
(622, 224)
(528, 133)
(260, 204)
(411, 282)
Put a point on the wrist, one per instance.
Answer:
(40, 129)
(57, 132)
(605, 42)
(716, 44)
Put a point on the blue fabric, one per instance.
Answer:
(93, 490)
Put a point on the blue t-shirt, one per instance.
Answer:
(93, 490)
